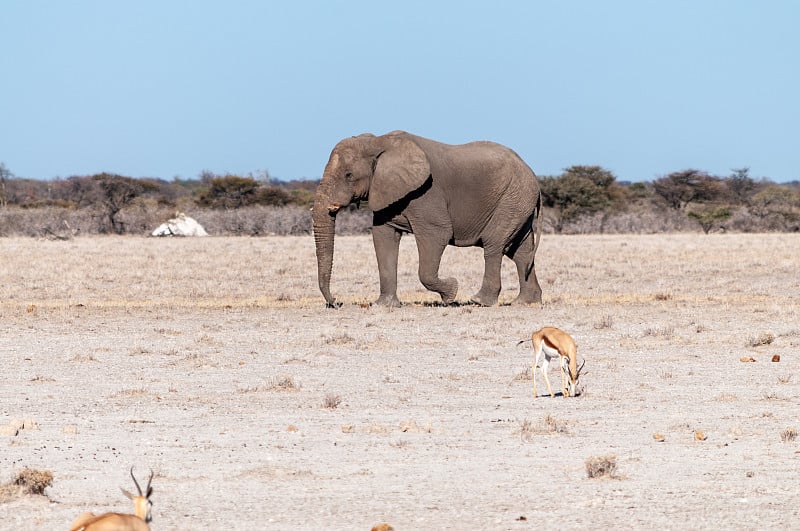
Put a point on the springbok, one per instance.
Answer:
(549, 342)
(120, 521)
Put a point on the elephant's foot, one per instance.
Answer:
(528, 299)
(450, 290)
(389, 300)
(485, 299)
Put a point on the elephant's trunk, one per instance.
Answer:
(324, 221)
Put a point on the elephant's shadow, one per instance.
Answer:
(454, 304)
(440, 304)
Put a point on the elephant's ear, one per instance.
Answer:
(401, 168)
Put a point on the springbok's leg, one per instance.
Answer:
(537, 354)
(564, 389)
(545, 364)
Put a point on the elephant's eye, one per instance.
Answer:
(348, 175)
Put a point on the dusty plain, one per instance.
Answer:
(214, 363)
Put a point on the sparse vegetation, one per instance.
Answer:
(583, 199)
(789, 435)
(207, 314)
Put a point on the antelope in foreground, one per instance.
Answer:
(548, 343)
(120, 521)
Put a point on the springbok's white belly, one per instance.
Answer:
(549, 351)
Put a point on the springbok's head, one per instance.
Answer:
(141, 503)
(572, 384)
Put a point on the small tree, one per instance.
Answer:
(680, 188)
(118, 192)
(710, 217)
(741, 185)
(230, 191)
(272, 196)
(578, 191)
(776, 205)
(78, 190)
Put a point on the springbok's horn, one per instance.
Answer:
(137, 483)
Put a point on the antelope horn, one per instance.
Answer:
(148, 490)
(137, 483)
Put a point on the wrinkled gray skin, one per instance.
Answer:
(477, 194)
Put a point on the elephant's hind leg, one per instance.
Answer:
(490, 288)
(529, 290)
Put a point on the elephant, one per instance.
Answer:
(476, 194)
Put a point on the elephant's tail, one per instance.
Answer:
(538, 237)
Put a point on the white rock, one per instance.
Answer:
(180, 225)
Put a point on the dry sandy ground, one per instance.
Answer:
(214, 363)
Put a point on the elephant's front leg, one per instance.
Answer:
(430, 257)
(490, 288)
(386, 240)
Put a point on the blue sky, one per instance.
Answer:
(170, 88)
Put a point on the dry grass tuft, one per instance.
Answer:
(339, 339)
(789, 435)
(726, 397)
(27, 481)
(663, 331)
(526, 430)
(273, 383)
(771, 395)
(549, 426)
(282, 383)
(34, 481)
(662, 296)
(605, 322)
(140, 391)
(523, 376)
(764, 338)
(83, 358)
(604, 466)
(331, 401)
(555, 426)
